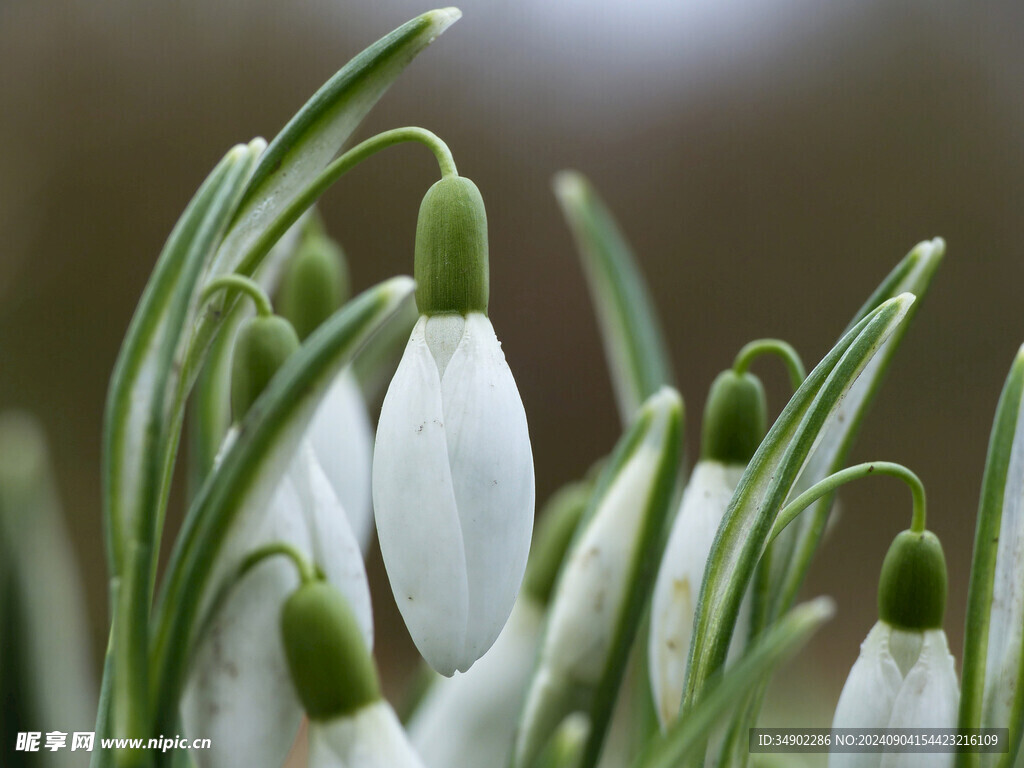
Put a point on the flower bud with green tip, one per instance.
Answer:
(469, 720)
(237, 692)
(905, 675)
(335, 678)
(314, 286)
(453, 482)
(735, 422)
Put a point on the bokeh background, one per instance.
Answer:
(770, 161)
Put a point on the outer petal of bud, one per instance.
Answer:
(371, 737)
(902, 679)
(674, 600)
(453, 488)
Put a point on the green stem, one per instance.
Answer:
(832, 482)
(261, 246)
(307, 571)
(335, 171)
(243, 284)
(777, 347)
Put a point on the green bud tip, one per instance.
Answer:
(451, 269)
(735, 418)
(331, 668)
(558, 523)
(315, 284)
(912, 587)
(262, 346)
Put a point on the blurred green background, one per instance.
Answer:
(770, 160)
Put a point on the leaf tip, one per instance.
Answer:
(929, 251)
(569, 186)
(820, 609)
(442, 18)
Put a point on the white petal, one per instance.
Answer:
(469, 720)
(868, 696)
(342, 438)
(414, 504)
(492, 476)
(679, 580)
(370, 738)
(239, 694)
(928, 698)
(334, 546)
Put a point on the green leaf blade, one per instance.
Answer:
(766, 483)
(138, 411)
(317, 131)
(633, 340)
(687, 736)
(993, 668)
(796, 547)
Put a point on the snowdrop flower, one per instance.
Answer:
(734, 425)
(453, 484)
(469, 720)
(595, 583)
(351, 725)
(238, 693)
(314, 286)
(905, 675)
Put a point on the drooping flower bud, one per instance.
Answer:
(330, 666)
(262, 347)
(336, 680)
(734, 425)
(453, 484)
(905, 675)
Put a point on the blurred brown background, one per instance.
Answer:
(770, 161)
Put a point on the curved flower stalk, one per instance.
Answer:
(351, 725)
(734, 424)
(453, 484)
(314, 286)
(469, 720)
(238, 693)
(596, 604)
(905, 675)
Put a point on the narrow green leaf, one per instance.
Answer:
(767, 481)
(315, 134)
(784, 566)
(688, 735)
(139, 419)
(993, 663)
(793, 552)
(253, 465)
(633, 341)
